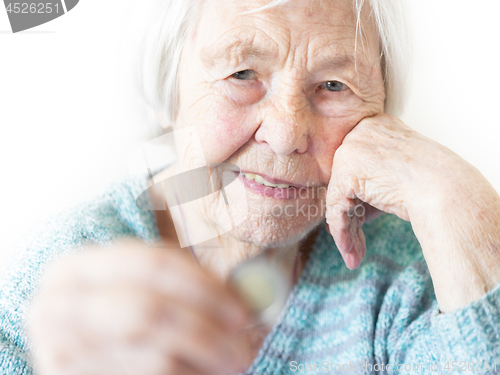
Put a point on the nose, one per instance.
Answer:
(285, 121)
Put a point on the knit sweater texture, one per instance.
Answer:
(382, 317)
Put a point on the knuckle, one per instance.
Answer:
(351, 182)
(332, 195)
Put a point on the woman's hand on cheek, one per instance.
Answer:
(369, 173)
(454, 211)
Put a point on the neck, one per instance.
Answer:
(221, 255)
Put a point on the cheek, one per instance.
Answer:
(328, 138)
(338, 105)
(223, 129)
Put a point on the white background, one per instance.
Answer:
(70, 115)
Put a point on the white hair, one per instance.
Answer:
(164, 38)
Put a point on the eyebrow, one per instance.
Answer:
(338, 61)
(342, 61)
(243, 48)
(238, 48)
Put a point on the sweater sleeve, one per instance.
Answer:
(13, 360)
(410, 331)
(463, 341)
(472, 333)
(113, 214)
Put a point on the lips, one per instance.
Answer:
(260, 180)
(269, 187)
(269, 181)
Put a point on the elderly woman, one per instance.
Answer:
(296, 95)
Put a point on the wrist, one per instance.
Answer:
(460, 237)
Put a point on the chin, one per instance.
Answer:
(268, 230)
(263, 221)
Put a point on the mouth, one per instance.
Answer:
(270, 187)
(268, 181)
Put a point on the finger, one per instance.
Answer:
(202, 345)
(349, 237)
(126, 360)
(172, 273)
(141, 317)
(179, 367)
(117, 358)
(345, 217)
(140, 323)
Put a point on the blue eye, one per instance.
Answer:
(333, 86)
(244, 74)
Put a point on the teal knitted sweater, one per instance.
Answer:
(380, 318)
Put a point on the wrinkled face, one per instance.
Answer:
(275, 92)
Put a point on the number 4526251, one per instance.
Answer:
(20, 8)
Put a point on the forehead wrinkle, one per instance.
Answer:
(339, 61)
(239, 46)
(338, 52)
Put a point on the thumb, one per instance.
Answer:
(345, 218)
